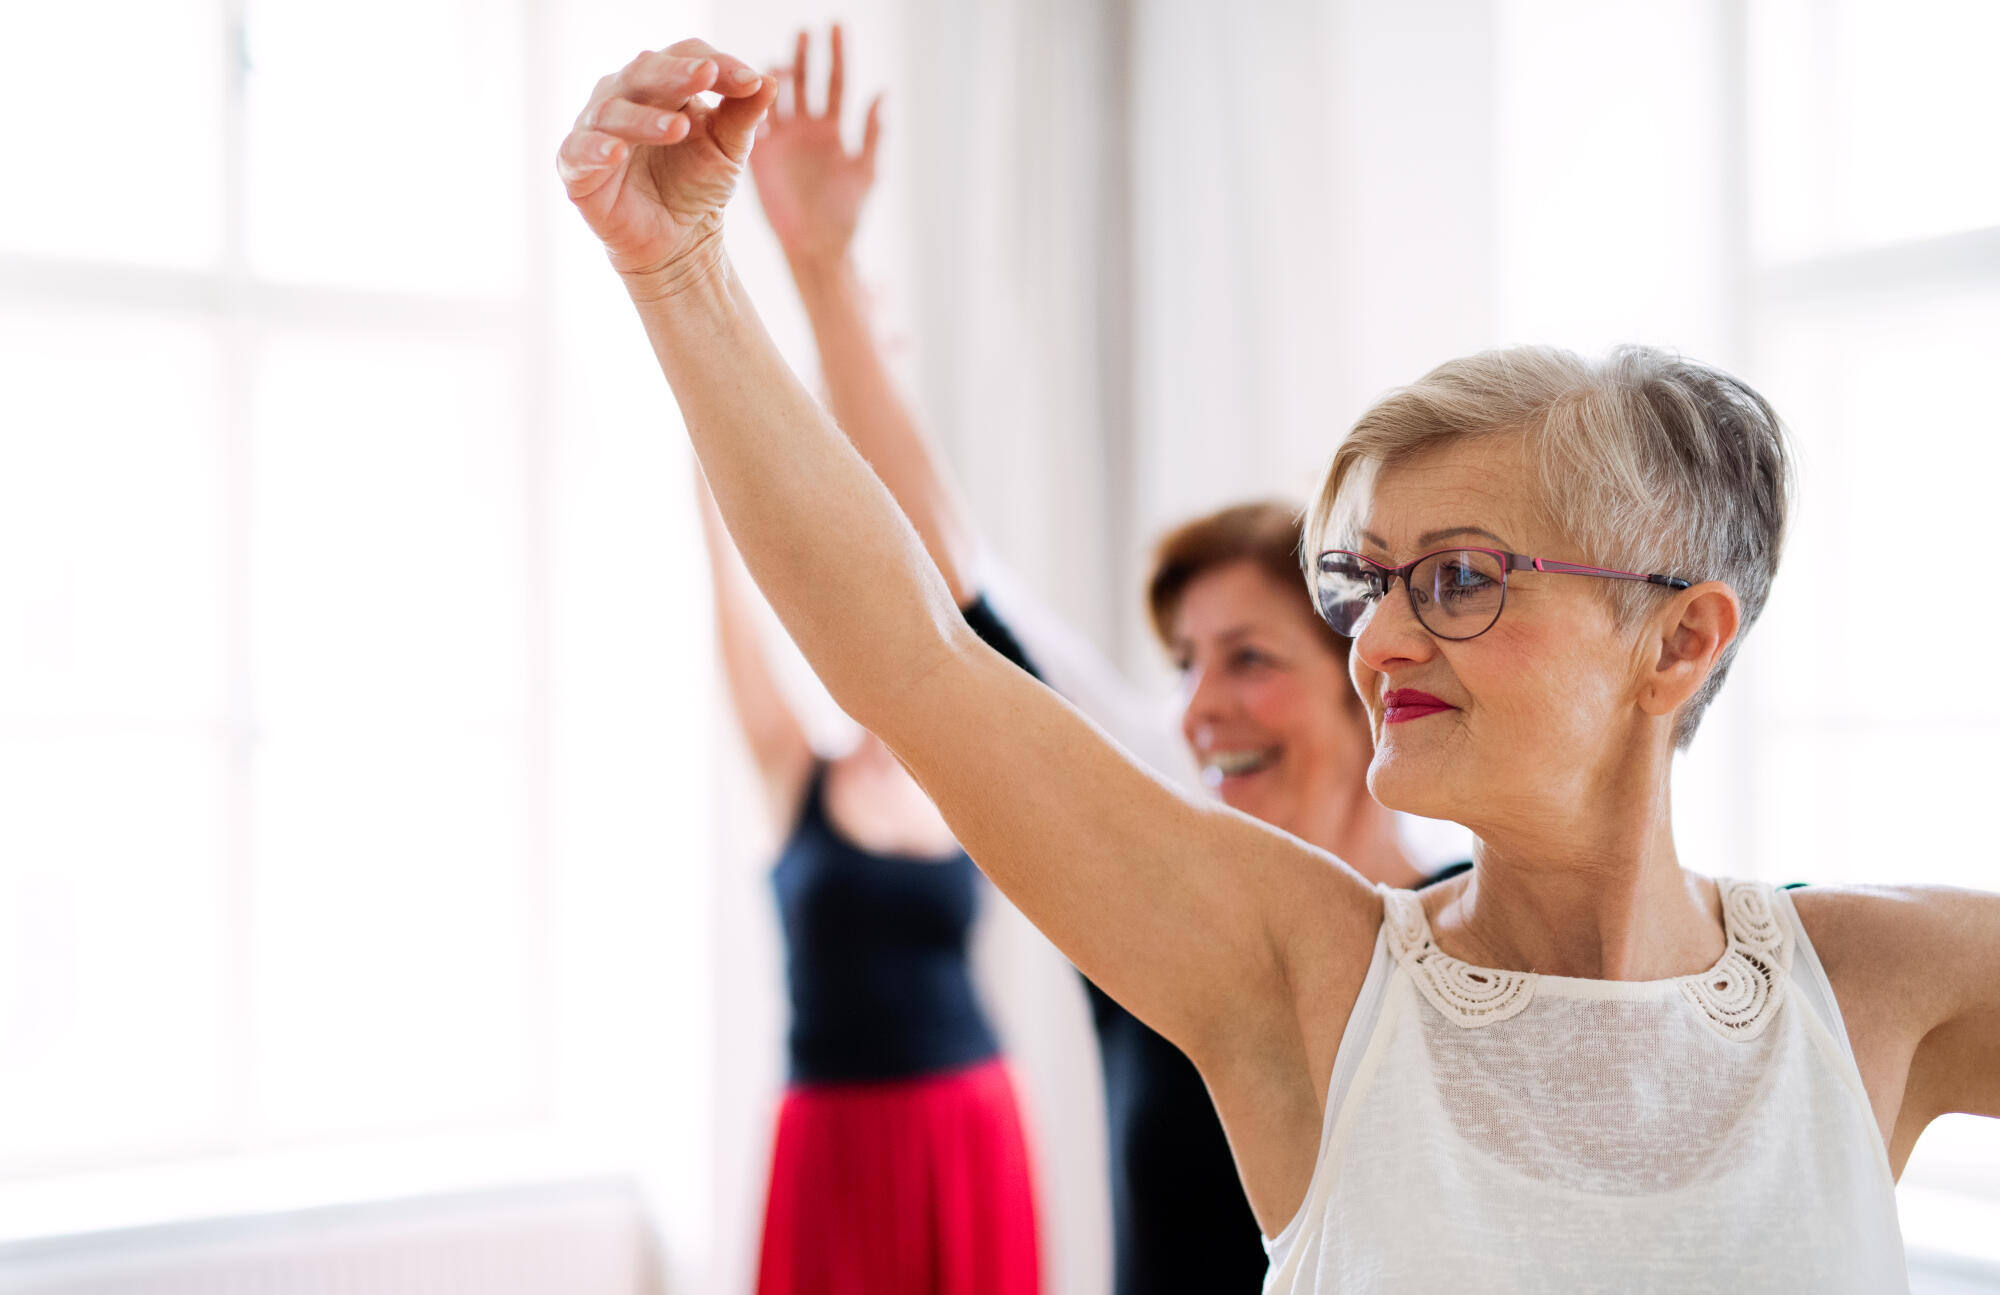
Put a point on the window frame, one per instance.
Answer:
(230, 300)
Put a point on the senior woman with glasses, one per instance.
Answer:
(1579, 1066)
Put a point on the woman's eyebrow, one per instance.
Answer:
(1225, 638)
(1432, 537)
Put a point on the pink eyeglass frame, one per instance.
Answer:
(1508, 562)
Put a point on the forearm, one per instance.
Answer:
(820, 535)
(879, 422)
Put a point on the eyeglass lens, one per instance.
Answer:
(1457, 593)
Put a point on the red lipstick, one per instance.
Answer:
(1400, 705)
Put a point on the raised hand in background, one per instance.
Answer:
(812, 188)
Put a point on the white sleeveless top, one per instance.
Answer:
(1504, 1131)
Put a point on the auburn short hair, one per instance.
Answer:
(1263, 532)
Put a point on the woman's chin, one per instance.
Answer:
(1398, 783)
(1251, 794)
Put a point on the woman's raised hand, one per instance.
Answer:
(812, 188)
(651, 165)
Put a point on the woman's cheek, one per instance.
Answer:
(1274, 702)
(1542, 715)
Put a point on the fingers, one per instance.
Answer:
(598, 94)
(588, 159)
(734, 79)
(732, 124)
(836, 76)
(799, 52)
(652, 102)
(871, 135)
(638, 123)
(659, 80)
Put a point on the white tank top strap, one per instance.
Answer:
(1742, 993)
(1471, 996)
(1347, 1059)
(1809, 980)
(1810, 987)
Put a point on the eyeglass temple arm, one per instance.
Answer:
(1573, 569)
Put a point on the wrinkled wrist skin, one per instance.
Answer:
(701, 263)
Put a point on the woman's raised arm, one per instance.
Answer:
(1172, 906)
(777, 741)
(812, 190)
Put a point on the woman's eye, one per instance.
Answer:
(1249, 657)
(1457, 579)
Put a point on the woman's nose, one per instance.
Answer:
(1203, 698)
(1393, 635)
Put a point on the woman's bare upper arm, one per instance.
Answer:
(1916, 970)
(1957, 1064)
(1176, 908)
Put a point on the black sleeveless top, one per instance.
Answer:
(875, 956)
(875, 945)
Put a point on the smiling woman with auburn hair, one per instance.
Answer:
(1579, 1066)
(1266, 708)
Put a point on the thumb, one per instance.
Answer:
(733, 122)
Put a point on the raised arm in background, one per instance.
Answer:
(812, 190)
(777, 741)
(1239, 943)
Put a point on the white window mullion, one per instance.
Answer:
(240, 721)
(536, 340)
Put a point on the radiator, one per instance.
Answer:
(573, 1239)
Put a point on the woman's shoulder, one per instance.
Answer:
(1883, 926)
(1898, 956)
(1331, 916)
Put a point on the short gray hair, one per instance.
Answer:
(1650, 461)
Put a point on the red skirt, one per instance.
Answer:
(902, 1187)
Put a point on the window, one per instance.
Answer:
(273, 708)
(1873, 314)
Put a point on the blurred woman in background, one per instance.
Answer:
(1267, 715)
(899, 1164)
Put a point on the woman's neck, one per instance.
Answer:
(1362, 834)
(1604, 899)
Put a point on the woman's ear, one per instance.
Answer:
(1692, 632)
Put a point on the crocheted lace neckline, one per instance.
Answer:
(1738, 995)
